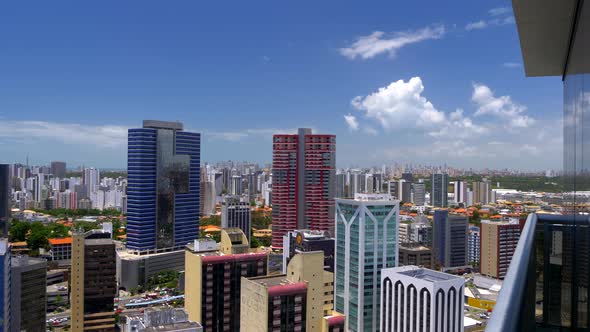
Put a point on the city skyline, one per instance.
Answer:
(372, 81)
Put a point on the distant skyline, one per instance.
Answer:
(395, 82)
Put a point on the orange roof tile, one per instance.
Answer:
(57, 241)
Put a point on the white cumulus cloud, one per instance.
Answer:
(379, 42)
(459, 126)
(400, 104)
(352, 122)
(502, 107)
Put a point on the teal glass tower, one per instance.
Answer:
(366, 243)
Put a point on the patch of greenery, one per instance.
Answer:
(76, 213)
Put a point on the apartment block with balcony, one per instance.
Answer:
(213, 280)
(498, 242)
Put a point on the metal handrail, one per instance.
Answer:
(514, 309)
(506, 315)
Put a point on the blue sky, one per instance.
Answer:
(396, 81)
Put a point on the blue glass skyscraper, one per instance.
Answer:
(163, 190)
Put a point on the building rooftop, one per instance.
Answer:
(280, 285)
(98, 242)
(413, 247)
(58, 241)
(156, 124)
(17, 261)
(424, 274)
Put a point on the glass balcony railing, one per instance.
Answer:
(546, 286)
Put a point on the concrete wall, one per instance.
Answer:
(253, 307)
(193, 286)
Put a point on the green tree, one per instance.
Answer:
(57, 230)
(86, 225)
(254, 242)
(38, 236)
(18, 230)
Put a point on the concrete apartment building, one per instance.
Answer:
(28, 303)
(235, 212)
(300, 300)
(303, 183)
(93, 282)
(416, 254)
(498, 243)
(450, 240)
(304, 240)
(213, 279)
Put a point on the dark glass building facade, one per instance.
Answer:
(164, 187)
(4, 199)
(547, 284)
(28, 294)
(439, 190)
(450, 240)
(4, 285)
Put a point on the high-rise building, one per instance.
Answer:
(439, 190)
(419, 299)
(213, 279)
(305, 240)
(202, 181)
(28, 286)
(450, 240)
(58, 169)
(91, 179)
(5, 300)
(498, 243)
(251, 179)
(304, 182)
(341, 191)
(366, 242)
(460, 188)
(419, 191)
(405, 191)
(163, 186)
(93, 282)
(236, 186)
(394, 189)
(408, 177)
(236, 213)
(473, 245)
(482, 192)
(4, 199)
(300, 300)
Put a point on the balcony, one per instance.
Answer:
(546, 286)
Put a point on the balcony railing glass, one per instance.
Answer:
(546, 286)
